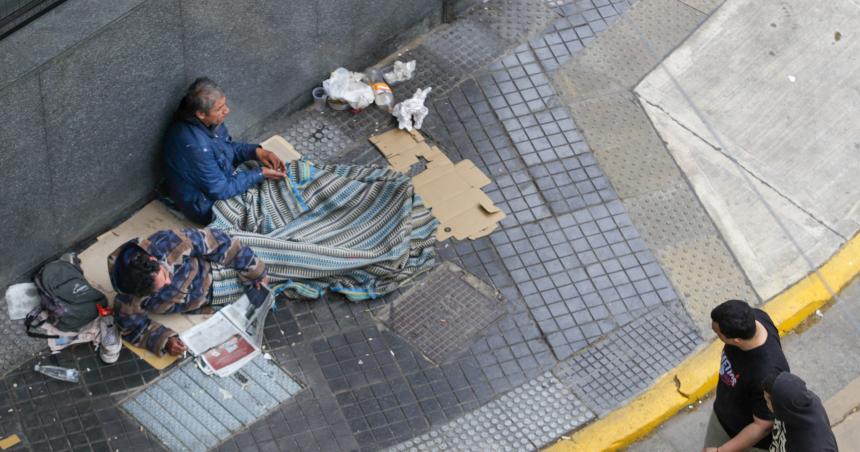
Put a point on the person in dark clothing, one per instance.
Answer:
(202, 158)
(752, 352)
(800, 422)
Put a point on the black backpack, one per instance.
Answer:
(67, 298)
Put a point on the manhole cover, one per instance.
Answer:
(443, 313)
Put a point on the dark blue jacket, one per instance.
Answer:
(201, 167)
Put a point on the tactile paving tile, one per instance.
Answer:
(514, 20)
(664, 24)
(705, 6)
(572, 183)
(630, 153)
(466, 44)
(580, 274)
(544, 409)
(616, 60)
(516, 85)
(670, 216)
(181, 410)
(705, 274)
(627, 361)
(442, 314)
(545, 136)
(316, 136)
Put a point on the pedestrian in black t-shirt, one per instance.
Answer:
(800, 422)
(752, 352)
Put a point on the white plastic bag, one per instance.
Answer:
(400, 73)
(21, 299)
(411, 112)
(348, 87)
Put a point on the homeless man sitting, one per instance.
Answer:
(172, 272)
(202, 158)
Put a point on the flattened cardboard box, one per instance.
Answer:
(453, 192)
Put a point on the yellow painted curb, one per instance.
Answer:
(697, 375)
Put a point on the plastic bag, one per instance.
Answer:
(411, 112)
(400, 73)
(21, 299)
(348, 87)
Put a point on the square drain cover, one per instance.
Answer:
(189, 411)
(443, 313)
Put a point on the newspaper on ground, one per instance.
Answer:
(233, 336)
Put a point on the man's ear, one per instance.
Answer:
(199, 114)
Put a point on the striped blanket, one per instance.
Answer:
(360, 231)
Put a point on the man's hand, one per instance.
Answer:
(261, 282)
(269, 173)
(270, 160)
(711, 449)
(175, 346)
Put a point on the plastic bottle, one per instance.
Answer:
(59, 373)
(382, 94)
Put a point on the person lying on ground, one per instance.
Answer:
(741, 420)
(202, 158)
(172, 272)
(800, 422)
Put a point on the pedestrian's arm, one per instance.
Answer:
(749, 436)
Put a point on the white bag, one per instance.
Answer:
(348, 87)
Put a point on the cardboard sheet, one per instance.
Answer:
(282, 148)
(453, 192)
(9, 441)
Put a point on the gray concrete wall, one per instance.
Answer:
(87, 90)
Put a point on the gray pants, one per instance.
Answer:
(716, 436)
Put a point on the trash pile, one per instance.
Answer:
(356, 91)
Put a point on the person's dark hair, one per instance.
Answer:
(735, 318)
(200, 96)
(767, 383)
(139, 275)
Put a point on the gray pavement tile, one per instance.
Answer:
(582, 274)
(514, 20)
(516, 85)
(319, 318)
(443, 313)
(630, 358)
(670, 216)
(572, 183)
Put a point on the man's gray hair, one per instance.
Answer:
(200, 96)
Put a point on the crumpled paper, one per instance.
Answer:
(400, 73)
